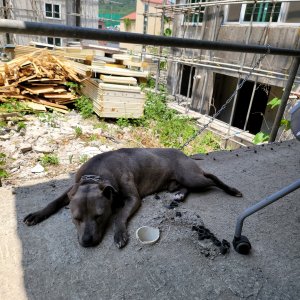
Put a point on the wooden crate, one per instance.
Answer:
(115, 100)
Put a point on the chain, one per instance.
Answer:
(228, 100)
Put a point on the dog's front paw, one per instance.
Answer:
(34, 218)
(179, 197)
(121, 238)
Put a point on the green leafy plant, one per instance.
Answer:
(127, 23)
(93, 137)
(84, 106)
(48, 118)
(101, 124)
(122, 122)
(3, 172)
(78, 131)
(274, 102)
(83, 158)
(12, 105)
(286, 124)
(260, 137)
(49, 159)
(172, 128)
(73, 86)
(168, 32)
(21, 125)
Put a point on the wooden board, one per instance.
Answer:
(120, 72)
(118, 80)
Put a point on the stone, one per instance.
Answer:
(25, 148)
(42, 149)
(4, 137)
(90, 151)
(38, 169)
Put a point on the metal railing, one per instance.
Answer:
(45, 29)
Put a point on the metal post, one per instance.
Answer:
(188, 90)
(160, 47)
(233, 107)
(250, 104)
(284, 99)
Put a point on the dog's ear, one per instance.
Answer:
(73, 190)
(108, 189)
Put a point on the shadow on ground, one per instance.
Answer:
(46, 261)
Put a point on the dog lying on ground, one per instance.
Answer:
(121, 179)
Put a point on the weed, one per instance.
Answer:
(171, 128)
(260, 137)
(49, 159)
(21, 125)
(83, 158)
(3, 124)
(122, 122)
(93, 137)
(12, 105)
(3, 172)
(48, 118)
(84, 106)
(73, 86)
(101, 125)
(78, 131)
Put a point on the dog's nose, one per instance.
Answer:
(87, 241)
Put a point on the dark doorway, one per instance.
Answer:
(224, 86)
(258, 107)
(184, 89)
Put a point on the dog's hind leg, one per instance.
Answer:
(220, 184)
(196, 180)
(50, 209)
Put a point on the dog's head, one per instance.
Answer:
(91, 206)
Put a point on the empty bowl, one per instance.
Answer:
(147, 235)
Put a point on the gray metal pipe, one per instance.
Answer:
(284, 98)
(263, 203)
(46, 29)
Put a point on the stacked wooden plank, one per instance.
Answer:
(114, 100)
(118, 80)
(39, 77)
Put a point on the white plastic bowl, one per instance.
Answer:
(147, 235)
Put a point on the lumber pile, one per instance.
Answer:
(114, 100)
(118, 80)
(39, 77)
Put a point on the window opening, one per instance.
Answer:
(197, 15)
(184, 89)
(52, 10)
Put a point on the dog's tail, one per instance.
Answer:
(197, 156)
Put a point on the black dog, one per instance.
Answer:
(124, 177)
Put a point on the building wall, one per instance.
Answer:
(214, 28)
(153, 23)
(34, 11)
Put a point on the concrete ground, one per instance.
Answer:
(46, 261)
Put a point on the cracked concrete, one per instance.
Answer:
(46, 261)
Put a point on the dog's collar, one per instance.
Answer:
(90, 178)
